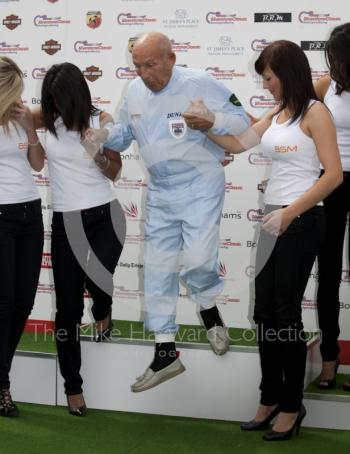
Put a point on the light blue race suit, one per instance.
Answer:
(186, 188)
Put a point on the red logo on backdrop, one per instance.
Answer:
(222, 269)
(92, 73)
(46, 260)
(51, 46)
(93, 19)
(12, 21)
(131, 211)
(52, 1)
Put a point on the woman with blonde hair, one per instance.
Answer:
(21, 226)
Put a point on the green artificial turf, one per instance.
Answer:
(125, 329)
(338, 389)
(51, 430)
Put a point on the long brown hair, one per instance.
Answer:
(338, 57)
(289, 63)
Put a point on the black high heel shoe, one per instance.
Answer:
(7, 405)
(260, 425)
(77, 411)
(331, 382)
(106, 333)
(272, 435)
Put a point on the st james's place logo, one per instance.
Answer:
(180, 19)
(225, 46)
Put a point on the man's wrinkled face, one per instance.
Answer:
(154, 66)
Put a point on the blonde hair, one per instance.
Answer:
(11, 87)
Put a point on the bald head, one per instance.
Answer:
(154, 60)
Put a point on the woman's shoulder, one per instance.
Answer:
(322, 86)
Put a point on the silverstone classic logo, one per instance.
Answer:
(310, 17)
(259, 44)
(224, 74)
(262, 102)
(183, 46)
(131, 19)
(45, 21)
(125, 73)
(86, 47)
(220, 18)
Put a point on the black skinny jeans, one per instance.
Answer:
(330, 261)
(21, 246)
(283, 266)
(86, 246)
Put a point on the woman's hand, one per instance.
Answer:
(277, 222)
(23, 115)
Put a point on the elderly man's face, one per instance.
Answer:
(153, 65)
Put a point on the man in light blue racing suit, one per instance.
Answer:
(185, 192)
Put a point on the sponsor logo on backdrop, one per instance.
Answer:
(222, 269)
(3, 1)
(45, 21)
(86, 47)
(229, 186)
(132, 212)
(41, 180)
(124, 293)
(344, 305)
(126, 183)
(46, 260)
(345, 275)
(45, 288)
(222, 18)
(313, 45)
(134, 239)
(131, 41)
(130, 265)
(51, 46)
(233, 215)
(224, 74)
(183, 47)
(38, 73)
(308, 303)
(181, 19)
(93, 19)
(259, 159)
(255, 215)
(11, 48)
(130, 156)
(11, 22)
(259, 44)
(250, 271)
(52, 1)
(130, 19)
(36, 101)
(47, 235)
(317, 74)
(125, 73)
(98, 101)
(262, 102)
(92, 73)
(225, 46)
(226, 243)
(314, 275)
(272, 17)
(250, 244)
(310, 17)
(47, 207)
(226, 299)
(261, 187)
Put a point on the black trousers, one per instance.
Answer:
(283, 267)
(21, 245)
(86, 246)
(330, 260)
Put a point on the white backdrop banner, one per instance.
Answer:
(221, 37)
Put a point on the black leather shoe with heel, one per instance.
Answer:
(272, 435)
(76, 411)
(260, 425)
(105, 334)
(331, 382)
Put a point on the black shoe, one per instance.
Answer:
(272, 435)
(331, 382)
(7, 406)
(106, 333)
(260, 425)
(77, 411)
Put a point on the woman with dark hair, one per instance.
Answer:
(88, 224)
(21, 225)
(334, 90)
(298, 134)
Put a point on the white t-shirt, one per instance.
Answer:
(339, 105)
(16, 181)
(76, 181)
(295, 163)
